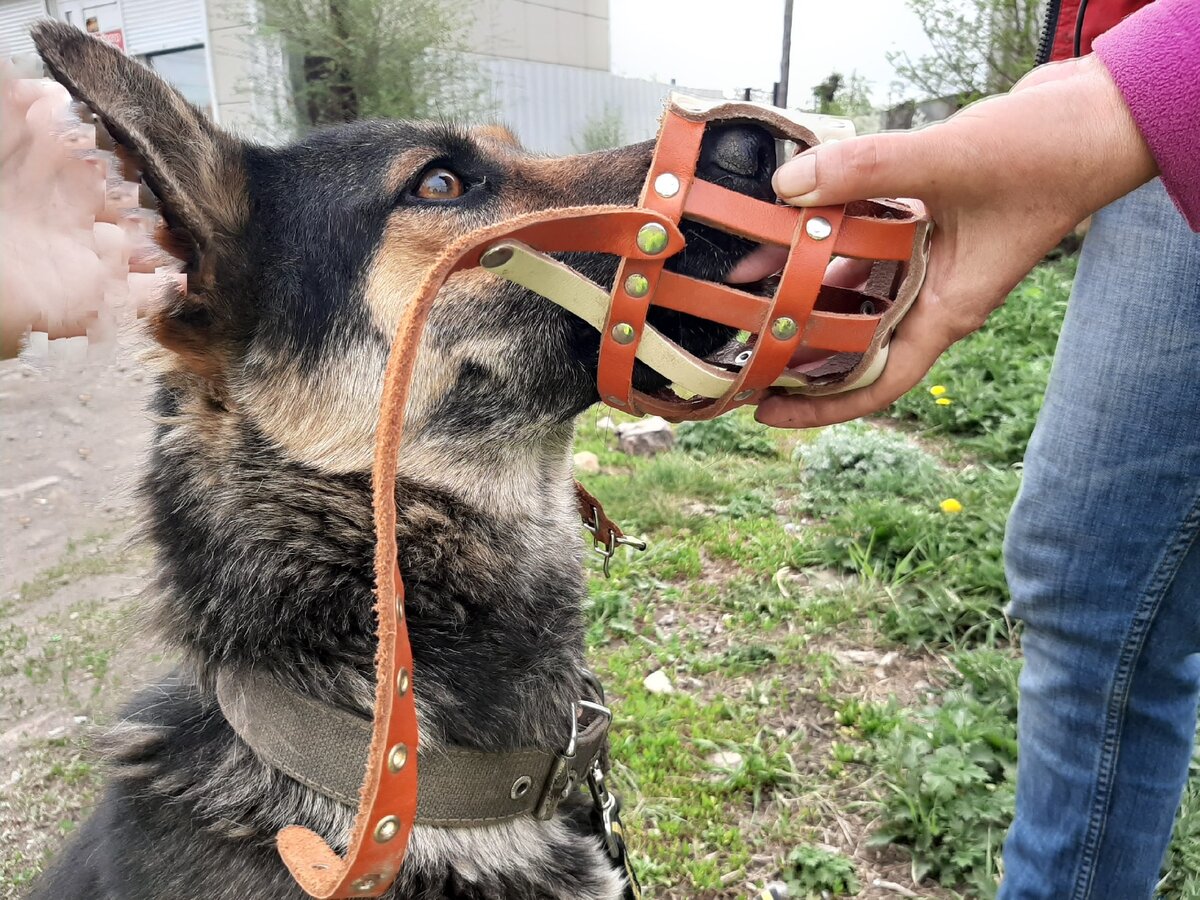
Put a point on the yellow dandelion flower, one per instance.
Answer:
(951, 506)
(937, 390)
(943, 401)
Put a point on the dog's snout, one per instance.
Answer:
(740, 156)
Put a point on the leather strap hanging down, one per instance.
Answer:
(832, 320)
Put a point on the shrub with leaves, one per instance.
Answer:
(735, 434)
(812, 873)
(949, 772)
(856, 456)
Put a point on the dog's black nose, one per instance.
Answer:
(740, 157)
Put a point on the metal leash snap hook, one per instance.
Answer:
(607, 546)
(605, 804)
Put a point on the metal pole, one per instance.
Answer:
(785, 64)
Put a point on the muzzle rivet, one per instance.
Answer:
(521, 787)
(637, 285)
(743, 395)
(652, 238)
(666, 185)
(867, 308)
(366, 883)
(402, 682)
(623, 333)
(818, 228)
(397, 758)
(495, 257)
(784, 328)
(388, 828)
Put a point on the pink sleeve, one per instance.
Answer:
(1154, 58)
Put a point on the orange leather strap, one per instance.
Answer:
(671, 178)
(388, 799)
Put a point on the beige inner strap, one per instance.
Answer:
(561, 284)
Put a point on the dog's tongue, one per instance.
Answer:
(758, 264)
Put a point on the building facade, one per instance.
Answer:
(546, 62)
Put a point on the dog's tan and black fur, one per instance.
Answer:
(300, 261)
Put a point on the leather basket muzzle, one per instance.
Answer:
(845, 333)
(841, 333)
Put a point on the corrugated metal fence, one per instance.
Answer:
(549, 106)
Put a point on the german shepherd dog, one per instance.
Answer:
(257, 488)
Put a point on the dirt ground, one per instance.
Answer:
(69, 638)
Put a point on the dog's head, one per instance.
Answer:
(300, 261)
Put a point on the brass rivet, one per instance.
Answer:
(637, 285)
(402, 681)
(388, 828)
(366, 883)
(818, 228)
(614, 401)
(399, 606)
(652, 238)
(397, 758)
(521, 787)
(666, 185)
(783, 328)
(623, 333)
(495, 257)
(743, 395)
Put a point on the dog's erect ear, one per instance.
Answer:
(193, 167)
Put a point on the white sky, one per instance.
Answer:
(731, 44)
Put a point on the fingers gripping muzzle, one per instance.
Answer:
(840, 334)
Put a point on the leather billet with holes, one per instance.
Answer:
(844, 332)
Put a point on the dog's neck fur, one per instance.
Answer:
(268, 563)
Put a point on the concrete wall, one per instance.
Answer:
(566, 32)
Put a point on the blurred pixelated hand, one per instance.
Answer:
(76, 255)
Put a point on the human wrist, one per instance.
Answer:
(1117, 150)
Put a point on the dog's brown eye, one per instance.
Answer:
(439, 184)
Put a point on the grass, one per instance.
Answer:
(995, 379)
(784, 569)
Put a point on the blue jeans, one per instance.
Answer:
(1104, 567)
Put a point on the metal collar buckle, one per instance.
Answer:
(564, 777)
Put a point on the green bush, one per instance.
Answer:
(858, 457)
(737, 434)
(949, 772)
(813, 872)
(994, 380)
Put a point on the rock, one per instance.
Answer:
(587, 462)
(646, 437)
(857, 657)
(657, 682)
(606, 424)
(22, 489)
(725, 759)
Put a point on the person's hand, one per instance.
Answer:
(70, 227)
(1003, 180)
